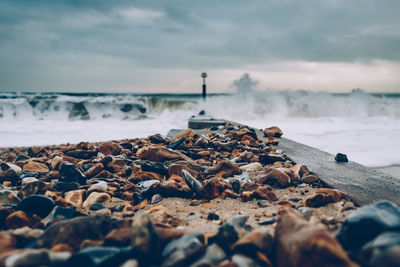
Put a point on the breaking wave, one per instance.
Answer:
(255, 105)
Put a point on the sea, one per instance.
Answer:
(362, 125)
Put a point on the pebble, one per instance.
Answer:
(183, 251)
(17, 219)
(341, 157)
(155, 199)
(212, 217)
(383, 251)
(365, 223)
(69, 172)
(73, 231)
(36, 204)
(268, 221)
(96, 197)
(35, 167)
(144, 237)
(226, 237)
(98, 187)
(8, 197)
(300, 239)
(28, 180)
(213, 255)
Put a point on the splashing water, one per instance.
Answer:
(363, 126)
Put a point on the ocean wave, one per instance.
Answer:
(260, 105)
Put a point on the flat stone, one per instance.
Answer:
(35, 167)
(301, 243)
(72, 232)
(383, 251)
(32, 188)
(75, 197)
(365, 223)
(69, 172)
(183, 251)
(213, 255)
(144, 237)
(8, 197)
(97, 256)
(96, 197)
(81, 154)
(36, 204)
(17, 219)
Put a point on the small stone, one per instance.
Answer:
(306, 212)
(35, 167)
(249, 244)
(241, 260)
(273, 131)
(271, 158)
(228, 168)
(96, 207)
(36, 204)
(182, 251)
(94, 170)
(60, 213)
(17, 219)
(28, 180)
(238, 221)
(365, 223)
(226, 237)
(191, 181)
(8, 197)
(177, 143)
(109, 148)
(7, 241)
(275, 177)
(159, 154)
(27, 233)
(100, 256)
(157, 139)
(8, 172)
(98, 187)
(74, 197)
(301, 243)
(69, 172)
(120, 237)
(72, 232)
(35, 187)
(62, 248)
(188, 133)
(55, 162)
(213, 255)
(383, 251)
(96, 197)
(66, 186)
(341, 157)
(214, 187)
(252, 167)
(29, 258)
(324, 196)
(268, 221)
(155, 199)
(144, 237)
(156, 167)
(309, 179)
(212, 217)
(81, 154)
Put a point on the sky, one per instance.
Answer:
(159, 46)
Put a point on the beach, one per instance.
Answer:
(223, 198)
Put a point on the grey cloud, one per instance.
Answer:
(45, 35)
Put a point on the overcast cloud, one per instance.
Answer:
(163, 46)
